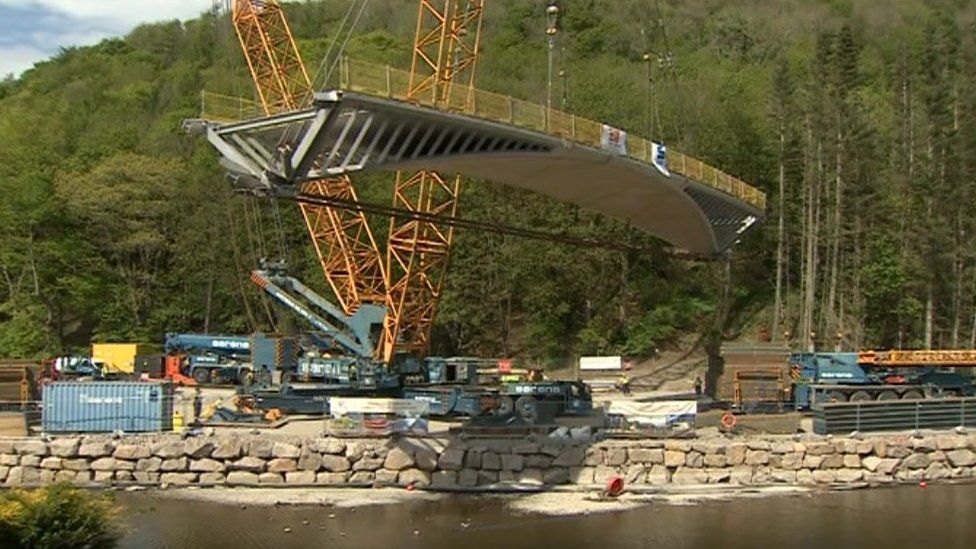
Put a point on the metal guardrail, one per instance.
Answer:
(227, 108)
(385, 81)
(896, 415)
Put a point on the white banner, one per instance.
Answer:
(600, 363)
(659, 157)
(659, 414)
(339, 406)
(378, 416)
(614, 140)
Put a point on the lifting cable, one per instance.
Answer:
(235, 244)
(279, 230)
(321, 79)
(256, 239)
(484, 226)
(668, 64)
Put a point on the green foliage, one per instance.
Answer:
(58, 517)
(116, 225)
(889, 305)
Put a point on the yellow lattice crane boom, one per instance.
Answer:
(904, 359)
(445, 55)
(343, 241)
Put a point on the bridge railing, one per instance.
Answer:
(227, 108)
(385, 81)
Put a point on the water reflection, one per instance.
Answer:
(937, 517)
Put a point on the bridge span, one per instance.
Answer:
(366, 124)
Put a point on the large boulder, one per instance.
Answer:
(335, 464)
(415, 477)
(330, 446)
(179, 479)
(312, 461)
(198, 448)
(207, 465)
(285, 450)
(300, 477)
(398, 459)
(573, 456)
(247, 463)
(31, 448)
(426, 460)
(242, 477)
(282, 465)
(167, 449)
(131, 451)
(917, 460)
(961, 458)
(64, 447)
(228, 449)
(451, 460)
(95, 449)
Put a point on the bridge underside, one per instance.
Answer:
(346, 132)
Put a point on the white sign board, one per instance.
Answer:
(601, 363)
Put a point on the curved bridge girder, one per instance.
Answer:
(346, 132)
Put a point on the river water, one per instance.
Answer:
(941, 516)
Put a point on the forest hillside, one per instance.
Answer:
(858, 119)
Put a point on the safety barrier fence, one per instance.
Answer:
(385, 81)
(894, 415)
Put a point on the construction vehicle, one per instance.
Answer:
(872, 375)
(73, 368)
(768, 377)
(540, 401)
(205, 358)
(119, 357)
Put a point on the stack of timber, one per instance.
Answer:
(754, 373)
(18, 382)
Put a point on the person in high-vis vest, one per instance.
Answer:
(624, 383)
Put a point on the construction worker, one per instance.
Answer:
(624, 382)
(197, 406)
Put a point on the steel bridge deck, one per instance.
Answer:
(346, 132)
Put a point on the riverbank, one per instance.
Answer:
(554, 501)
(485, 465)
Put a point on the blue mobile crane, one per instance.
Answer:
(884, 375)
(208, 358)
(341, 361)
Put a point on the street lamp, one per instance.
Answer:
(552, 15)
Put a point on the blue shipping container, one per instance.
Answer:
(107, 406)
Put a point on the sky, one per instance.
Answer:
(33, 30)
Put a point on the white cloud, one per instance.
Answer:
(126, 14)
(16, 59)
(36, 29)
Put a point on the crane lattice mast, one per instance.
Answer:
(445, 55)
(343, 241)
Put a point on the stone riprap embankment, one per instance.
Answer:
(267, 460)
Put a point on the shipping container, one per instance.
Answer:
(107, 406)
(120, 357)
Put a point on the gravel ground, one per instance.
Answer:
(556, 503)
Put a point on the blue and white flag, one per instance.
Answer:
(659, 157)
